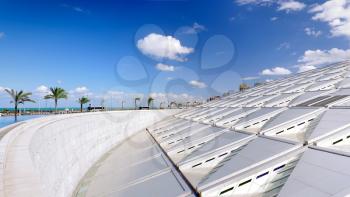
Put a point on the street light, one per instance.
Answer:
(123, 104)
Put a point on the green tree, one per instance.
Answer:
(19, 98)
(135, 100)
(150, 101)
(56, 93)
(83, 100)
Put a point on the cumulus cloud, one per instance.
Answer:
(165, 67)
(42, 90)
(197, 84)
(168, 97)
(160, 46)
(304, 68)
(336, 13)
(80, 91)
(290, 5)
(276, 71)
(196, 28)
(282, 5)
(312, 32)
(118, 95)
(321, 57)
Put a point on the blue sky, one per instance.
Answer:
(173, 50)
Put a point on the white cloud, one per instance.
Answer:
(42, 90)
(2, 34)
(197, 84)
(282, 5)
(336, 13)
(80, 91)
(165, 67)
(159, 46)
(256, 2)
(312, 32)
(168, 97)
(284, 45)
(115, 94)
(276, 71)
(249, 78)
(303, 68)
(274, 18)
(196, 28)
(113, 97)
(290, 5)
(76, 8)
(321, 57)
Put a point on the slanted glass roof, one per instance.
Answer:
(331, 121)
(308, 96)
(344, 84)
(187, 139)
(297, 88)
(255, 120)
(188, 130)
(289, 116)
(231, 119)
(259, 101)
(323, 85)
(256, 151)
(218, 143)
(287, 137)
(282, 100)
(319, 173)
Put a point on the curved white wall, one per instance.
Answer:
(48, 156)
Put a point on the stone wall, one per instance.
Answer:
(62, 148)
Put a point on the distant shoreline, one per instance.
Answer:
(4, 112)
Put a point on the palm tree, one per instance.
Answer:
(149, 101)
(137, 99)
(19, 98)
(83, 100)
(56, 94)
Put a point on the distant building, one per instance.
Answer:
(213, 98)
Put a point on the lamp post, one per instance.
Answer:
(123, 105)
